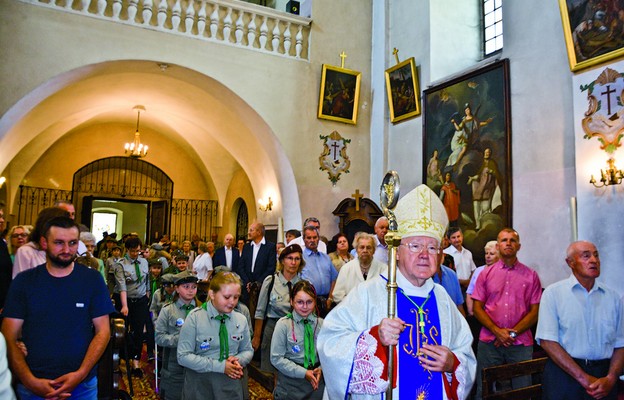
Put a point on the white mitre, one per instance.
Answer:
(421, 213)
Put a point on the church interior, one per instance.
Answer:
(225, 95)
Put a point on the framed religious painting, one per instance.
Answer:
(339, 94)
(593, 31)
(467, 151)
(403, 92)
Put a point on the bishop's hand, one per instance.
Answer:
(390, 330)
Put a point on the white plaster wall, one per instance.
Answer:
(600, 210)
(41, 44)
(541, 110)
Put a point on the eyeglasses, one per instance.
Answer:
(295, 259)
(19, 235)
(302, 303)
(419, 247)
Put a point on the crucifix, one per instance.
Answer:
(335, 147)
(343, 55)
(357, 196)
(396, 54)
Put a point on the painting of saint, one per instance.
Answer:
(467, 132)
(339, 94)
(593, 29)
(449, 194)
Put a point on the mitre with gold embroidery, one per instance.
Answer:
(421, 213)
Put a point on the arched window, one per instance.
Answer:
(242, 221)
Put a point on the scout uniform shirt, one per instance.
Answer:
(167, 328)
(132, 277)
(199, 347)
(287, 347)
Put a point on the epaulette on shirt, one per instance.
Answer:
(194, 310)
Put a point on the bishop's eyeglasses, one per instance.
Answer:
(419, 247)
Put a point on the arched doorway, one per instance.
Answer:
(126, 185)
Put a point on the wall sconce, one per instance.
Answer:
(266, 205)
(610, 176)
(2, 180)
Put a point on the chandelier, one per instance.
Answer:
(611, 176)
(136, 149)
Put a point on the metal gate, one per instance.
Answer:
(122, 179)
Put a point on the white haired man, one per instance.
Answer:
(433, 341)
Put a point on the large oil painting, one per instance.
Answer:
(467, 151)
(593, 30)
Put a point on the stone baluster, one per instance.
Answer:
(175, 15)
(238, 33)
(101, 7)
(116, 9)
(264, 29)
(275, 40)
(147, 11)
(299, 42)
(162, 13)
(251, 31)
(230, 23)
(190, 18)
(132, 10)
(214, 21)
(287, 39)
(227, 25)
(201, 19)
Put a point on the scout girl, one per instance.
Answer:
(293, 350)
(215, 344)
(168, 325)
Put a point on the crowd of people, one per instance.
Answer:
(317, 322)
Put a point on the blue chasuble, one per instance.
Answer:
(415, 381)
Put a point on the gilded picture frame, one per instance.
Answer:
(467, 151)
(593, 31)
(403, 91)
(339, 94)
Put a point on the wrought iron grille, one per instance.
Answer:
(34, 199)
(124, 177)
(193, 216)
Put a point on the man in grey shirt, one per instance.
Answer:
(132, 293)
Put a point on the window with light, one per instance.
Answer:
(492, 26)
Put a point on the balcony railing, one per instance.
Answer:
(228, 22)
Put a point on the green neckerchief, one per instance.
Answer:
(224, 347)
(224, 344)
(137, 269)
(308, 344)
(154, 286)
(309, 350)
(187, 308)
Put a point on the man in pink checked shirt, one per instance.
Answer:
(506, 302)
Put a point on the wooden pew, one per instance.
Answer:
(505, 372)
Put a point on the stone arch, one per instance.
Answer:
(216, 130)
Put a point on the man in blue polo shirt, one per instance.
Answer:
(60, 311)
(319, 270)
